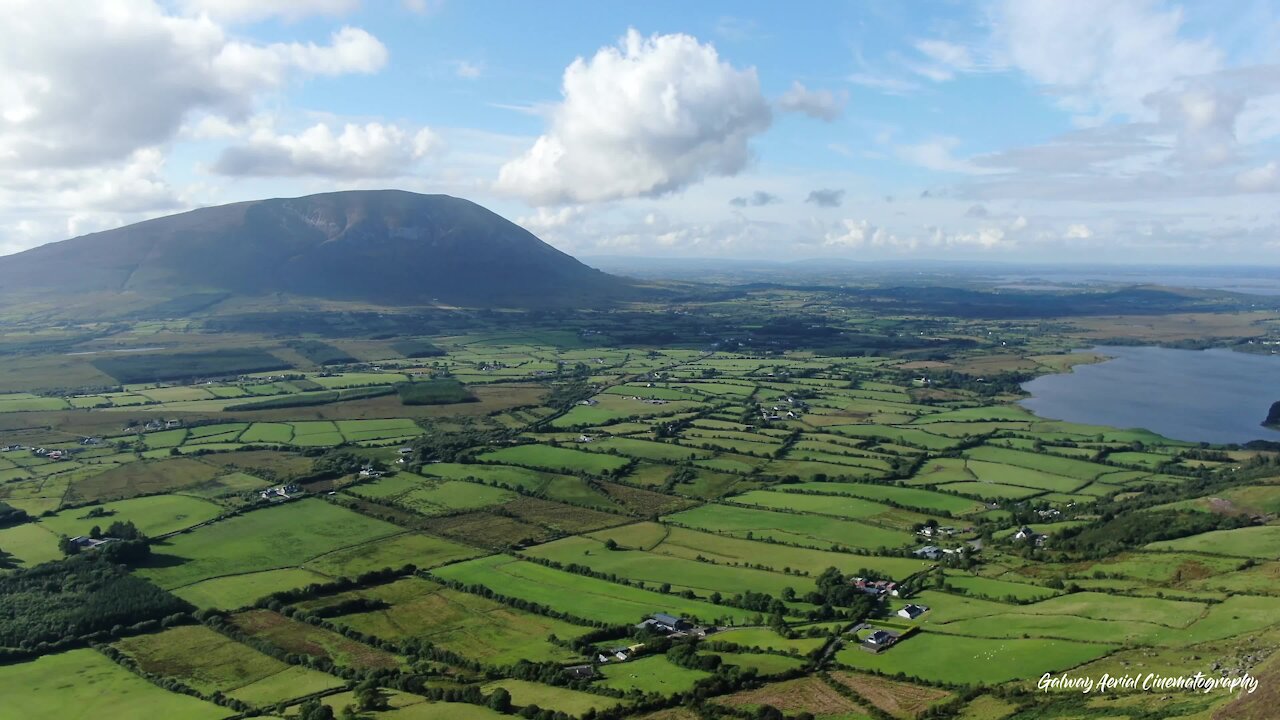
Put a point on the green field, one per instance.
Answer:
(85, 685)
(416, 549)
(153, 515)
(211, 662)
(276, 537)
(555, 459)
(573, 702)
(467, 624)
(791, 528)
(432, 496)
(729, 551)
(650, 675)
(969, 661)
(1255, 542)
(909, 497)
(240, 590)
(993, 589)
(655, 568)
(764, 664)
(767, 639)
(577, 595)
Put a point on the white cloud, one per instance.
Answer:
(854, 234)
(937, 154)
(352, 50)
(1259, 179)
(248, 11)
(1078, 231)
(1101, 58)
(943, 59)
(84, 82)
(467, 70)
(372, 150)
(548, 219)
(888, 84)
(817, 104)
(642, 119)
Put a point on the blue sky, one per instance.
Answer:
(1009, 130)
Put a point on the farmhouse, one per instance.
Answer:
(279, 493)
(85, 542)
(1025, 533)
(878, 641)
(912, 611)
(662, 622)
(875, 587)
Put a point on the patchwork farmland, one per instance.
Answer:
(581, 528)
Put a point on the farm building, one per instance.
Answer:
(662, 622)
(928, 551)
(913, 611)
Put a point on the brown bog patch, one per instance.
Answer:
(807, 694)
(485, 529)
(298, 637)
(1192, 570)
(899, 699)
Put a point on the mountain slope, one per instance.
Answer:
(383, 246)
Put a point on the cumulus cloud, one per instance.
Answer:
(545, 219)
(641, 119)
(372, 150)
(854, 234)
(1078, 231)
(826, 197)
(85, 82)
(976, 211)
(758, 198)
(818, 104)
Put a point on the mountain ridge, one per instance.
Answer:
(381, 246)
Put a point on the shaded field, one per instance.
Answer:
(580, 596)
(84, 685)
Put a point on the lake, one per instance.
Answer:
(1217, 396)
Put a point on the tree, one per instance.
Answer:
(315, 710)
(769, 712)
(500, 701)
(610, 544)
(370, 697)
(67, 547)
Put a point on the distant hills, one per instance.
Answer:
(385, 247)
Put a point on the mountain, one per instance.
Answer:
(380, 246)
